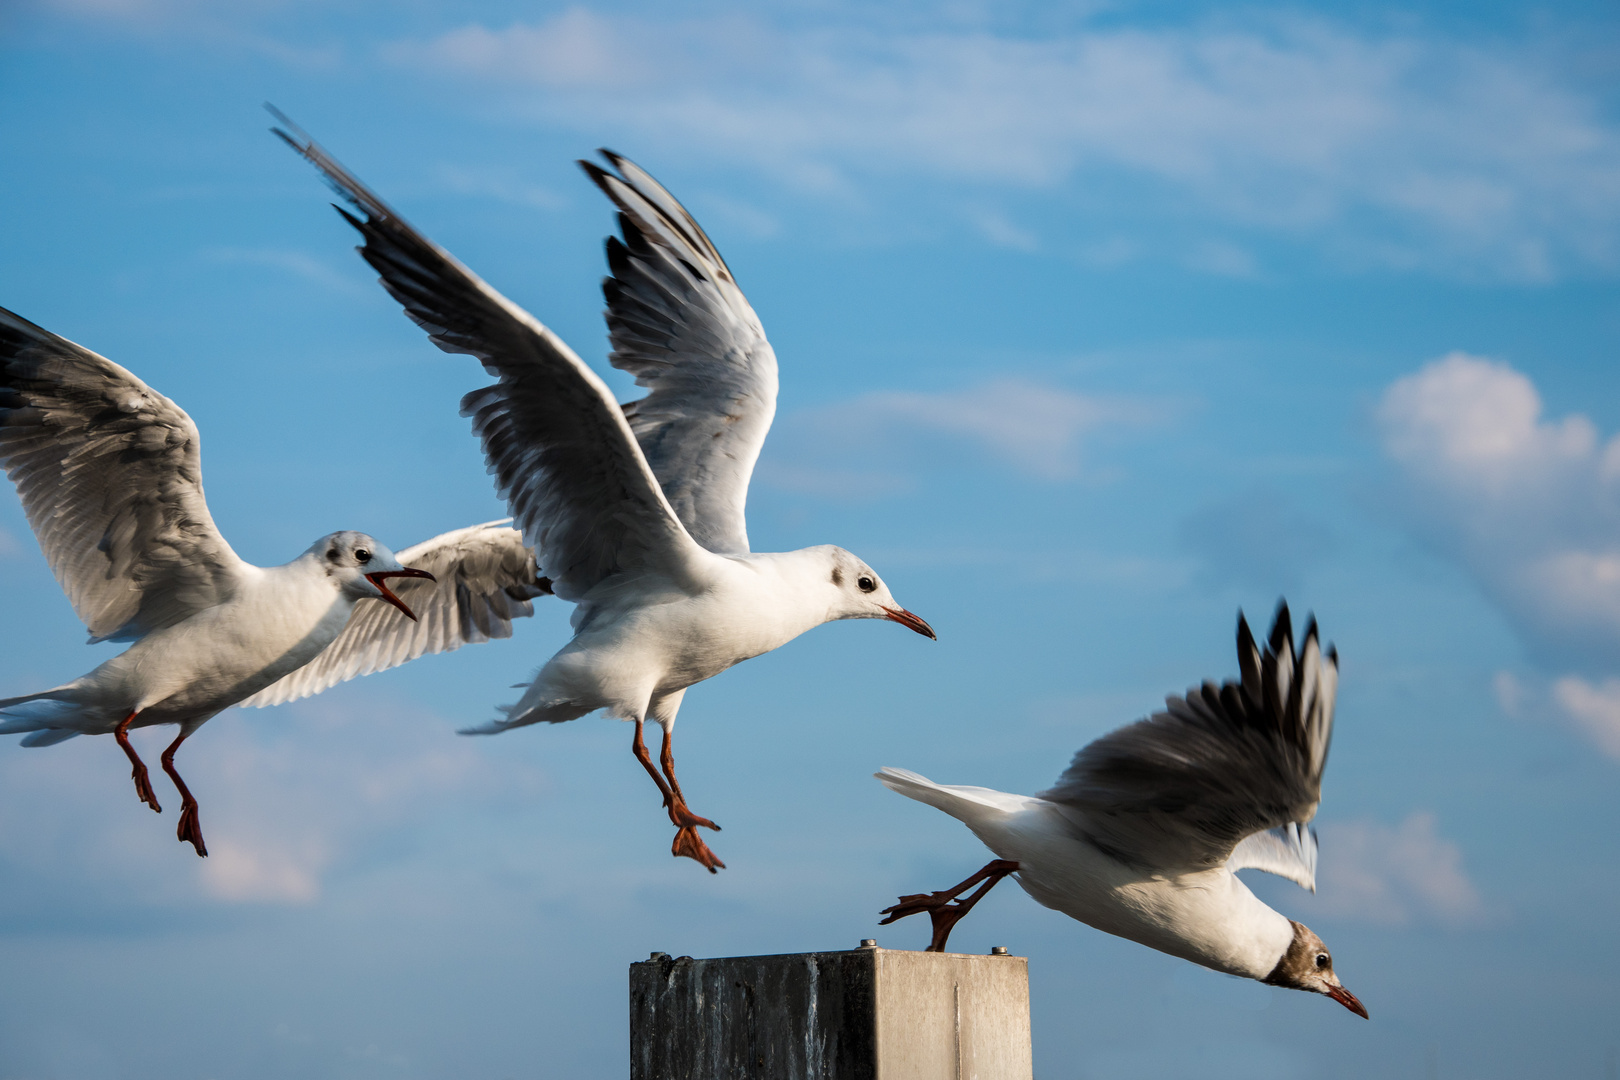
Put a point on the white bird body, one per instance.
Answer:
(109, 472)
(278, 619)
(1144, 834)
(635, 512)
(639, 639)
(1205, 915)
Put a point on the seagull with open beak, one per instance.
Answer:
(110, 477)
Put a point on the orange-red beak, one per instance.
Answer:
(911, 622)
(380, 576)
(1348, 1000)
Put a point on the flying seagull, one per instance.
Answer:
(110, 476)
(1143, 834)
(635, 512)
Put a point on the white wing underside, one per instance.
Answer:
(1289, 851)
(680, 325)
(110, 475)
(486, 578)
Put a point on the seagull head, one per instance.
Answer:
(361, 566)
(860, 594)
(1307, 965)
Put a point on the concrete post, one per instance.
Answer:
(866, 1014)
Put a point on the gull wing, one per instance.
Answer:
(562, 454)
(110, 476)
(680, 325)
(486, 578)
(1289, 851)
(1191, 787)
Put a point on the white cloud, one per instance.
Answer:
(1595, 707)
(1530, 506)
(1407, 873)
(1407, 148)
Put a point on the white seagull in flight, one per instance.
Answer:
(635, 512)
(1143, 834)
(110, 476)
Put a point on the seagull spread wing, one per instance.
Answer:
(561, 451)
(486, 578)
(1230, 772)
(111, 480)
(680, 325)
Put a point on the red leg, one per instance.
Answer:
(687, 842)
(943, 907)
(679, 813)
(143, 783)
(189, 830)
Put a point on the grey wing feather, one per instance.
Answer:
(562, 454)
(1289, 851)
(680, 325)
(486, 579)
(1184, 787)
(110, 476)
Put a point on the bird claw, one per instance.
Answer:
(688, 843)
(682, 817)
(190, 831)
(143, 788)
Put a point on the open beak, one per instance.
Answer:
(1348, 1000)
(910, 622)
(380, 576)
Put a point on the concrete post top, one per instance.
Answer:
(866, 945)
(866, 1013)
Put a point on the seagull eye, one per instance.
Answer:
(1322, 960)
(362, 555)
(866, 583)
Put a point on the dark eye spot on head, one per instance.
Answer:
(362, 556)
(1322, 960)
(838, 576)
(866, 583)
(331, 554)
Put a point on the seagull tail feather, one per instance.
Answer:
(558, 713)
(966, 804)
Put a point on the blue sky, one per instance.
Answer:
(1096, 322)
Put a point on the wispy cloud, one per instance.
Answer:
(1591, 707)
(1400, 147)
(294, 263)
(1255, 540)
(282, 805)
(1033, 428)
(1399, 874)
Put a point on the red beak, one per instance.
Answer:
(380, 576)
(1348, 1000)
(911, 622)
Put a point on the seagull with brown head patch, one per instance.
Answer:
(1144, 834)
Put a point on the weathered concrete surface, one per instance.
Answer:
(866, 1014)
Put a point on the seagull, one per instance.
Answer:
(109, 472)
(1142, 836)
(635, 512)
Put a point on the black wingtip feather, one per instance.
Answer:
(1282, 627)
